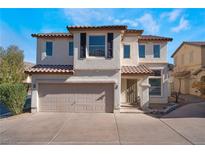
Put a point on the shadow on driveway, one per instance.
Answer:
(4, 111)
(194, 110)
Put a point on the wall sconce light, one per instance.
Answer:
(34, 86)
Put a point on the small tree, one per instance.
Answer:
(177, 94)
(12, 91)
(13, 96)
(11, 65)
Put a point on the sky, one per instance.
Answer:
(17, 25)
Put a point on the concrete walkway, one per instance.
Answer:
(102, 128)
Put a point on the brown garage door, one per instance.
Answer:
(76, 97)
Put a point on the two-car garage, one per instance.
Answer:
(76, 97)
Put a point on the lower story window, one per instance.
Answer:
(155, 89)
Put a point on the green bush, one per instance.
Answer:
(13, 96)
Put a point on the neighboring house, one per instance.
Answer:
(98, 68)
(170, 79)
(189, 60)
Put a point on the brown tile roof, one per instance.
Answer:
(50, 69)
(140, 69)
(28, 65)
(134, 31)
(153, 38)
(52, 35)
(105, 27)
(197, 43)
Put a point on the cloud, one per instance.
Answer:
(108, 17)
(129, 22)
(183, 25)
(149, 24)
(173, 15)
(87, 16)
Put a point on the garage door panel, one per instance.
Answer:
(76, 97)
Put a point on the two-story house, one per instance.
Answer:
(189, 61)
(98, 69)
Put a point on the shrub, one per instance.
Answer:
(13, 96)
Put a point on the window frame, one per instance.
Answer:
(124, 51)
(48, 41)
(144, 51)
(157, 77)
(69, 54)
(88, 45)
(159, 50)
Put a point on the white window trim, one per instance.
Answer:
(69, 49)
(158, 77)
(139, 50)
(159, 50)
(123, 50)
(87, 46)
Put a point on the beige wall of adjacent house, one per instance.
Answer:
(189, 58)
(97, 63)
(60, 52)
(203, 55)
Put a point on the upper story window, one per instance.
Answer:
(126, 51)
(97, 46)
(49, 48)
(156, 49)
(70, 49)
(142, 51)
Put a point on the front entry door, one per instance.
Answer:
(131, 91)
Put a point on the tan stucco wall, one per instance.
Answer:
(134, 58)
(188, 58)
(188, 63)
(149, 56)
(93, 63)
(60, 51)
(149, 53)
(123, 90)
(203, 56)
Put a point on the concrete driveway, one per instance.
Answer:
(101, 128)
(189, 122)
